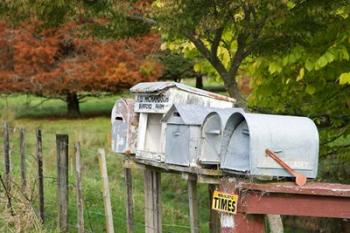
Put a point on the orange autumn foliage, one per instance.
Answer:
(67, 59)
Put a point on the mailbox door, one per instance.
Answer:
(237, 157)
(177, 144)
(153, 133)
(212, 135)
(119, 136)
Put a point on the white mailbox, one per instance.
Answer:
(124, 126)
(153, 100)
(246, 137)
(212, 133)
(183, 133)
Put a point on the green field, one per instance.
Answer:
(93, 132)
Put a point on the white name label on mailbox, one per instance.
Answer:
(152, 103)
(224, 202)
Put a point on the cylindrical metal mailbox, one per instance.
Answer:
(124, 127)
(212, 132)
(248, 135)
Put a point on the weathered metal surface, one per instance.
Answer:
(182, 142)
(212, 133)
(157, 98)
(124, 126)
(300, 179)
(247, 136)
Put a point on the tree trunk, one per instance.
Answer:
(199, 81)
(73, 109)
(232, 89)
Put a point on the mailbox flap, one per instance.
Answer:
(177, 144)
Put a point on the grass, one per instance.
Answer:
(93, 132)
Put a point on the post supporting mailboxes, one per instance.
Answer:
(124, 127)
(212, 133)
(248, 135)
(183, 133)
(153, 100)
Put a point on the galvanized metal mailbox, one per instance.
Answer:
(153, 100)
(247, 136)
(124, 127)
(212, 133)
(183, 133)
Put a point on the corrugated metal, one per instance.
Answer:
(147, 87)
(247, 136)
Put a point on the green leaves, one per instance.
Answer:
(275, 68)
(344, 78)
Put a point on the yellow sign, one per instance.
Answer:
(224, 202)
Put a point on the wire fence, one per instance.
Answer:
(175, 219)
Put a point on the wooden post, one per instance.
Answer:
(106, 192)
(153, 219)
(7, 156)
(23, 160)
(80, 206)
(214, 219)
(62, 181)
(128, 200)
(39, 157)
(193, 203)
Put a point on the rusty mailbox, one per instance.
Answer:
(212, 133)
(124, 127)
(247, 136)
(183, 130)
(153, 100)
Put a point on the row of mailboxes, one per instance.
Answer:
(176, 124)
(153, 100)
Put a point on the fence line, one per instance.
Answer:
(28, 184)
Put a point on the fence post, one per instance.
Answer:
(23, 165)
(7, 156)
(193, 203)
(80, 206)
(106, 192)
(39, 157)
(62, 181)
(153, 221)
(128, 200)
(214, 219)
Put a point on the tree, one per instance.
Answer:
(225, 33)
(66, 61)
(312, 78)
(67, 48)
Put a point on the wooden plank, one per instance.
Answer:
(79, 193)
(253, 202)
(152, 181)
(62, 181)
(193, 203)
(310, 188)
(39, 157)
(129, 200)
(106, 192)
(176, 168)
(23, 165)
(238, 223)
(214, 220)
